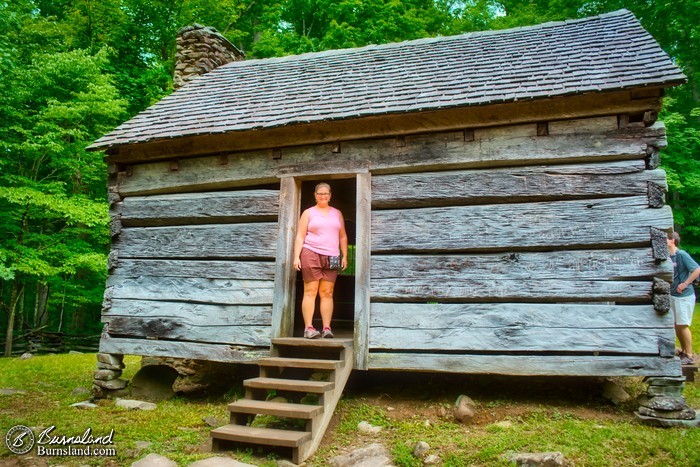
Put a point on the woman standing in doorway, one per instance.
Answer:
(320, 235)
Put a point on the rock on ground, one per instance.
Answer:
(374, 455)
(538, 459)
(421, 449)
(365, 427)
(465, 409)
(84, 405)
(154, 460)
(134, 404)
(615, 393)
(219, 461)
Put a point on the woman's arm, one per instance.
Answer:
(302, 227)
(343, 244)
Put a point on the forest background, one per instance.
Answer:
(72, 70)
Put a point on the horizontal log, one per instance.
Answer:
(193, 314)
(181, 330)
(515, 184)
(600, 265)
(228, 241)
(623, 275)
(258, 270)
(575, 316)
(497, 146)
(201, 208)
(528, 365)
(520, 338)
(597, 223)
(177, 349)
(490, 290)
(196, 290)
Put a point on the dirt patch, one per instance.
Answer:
(432, 396)
(427, 399)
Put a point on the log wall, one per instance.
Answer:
(523, 249)
(537, 269)
(192, 274)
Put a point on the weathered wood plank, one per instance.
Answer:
(517, 184)
(285, 274)
(178, 349)
(520, 338)
(500, 146)
(227, 241)
(193, 289)
(198, 314)
(258, 270)
(201, 208)
(575, 316)
(585, 275)
(425, 290)
(362, 270)
(566, 265)
(580, 107)
(183, 330)
(529, 365)
(597, 223)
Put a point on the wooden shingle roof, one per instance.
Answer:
(603, 53)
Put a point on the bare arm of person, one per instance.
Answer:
(692, 278)
(343, 244)
(302, 227)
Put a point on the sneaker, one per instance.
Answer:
(327, 333)
(311, 333)
(686, 360)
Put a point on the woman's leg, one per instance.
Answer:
(325, 290)
(308, 303)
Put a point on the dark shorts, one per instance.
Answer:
(314, 267)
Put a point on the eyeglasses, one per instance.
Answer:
(323, 194)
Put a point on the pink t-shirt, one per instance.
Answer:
(323, 233)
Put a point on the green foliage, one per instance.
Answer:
(53, 216)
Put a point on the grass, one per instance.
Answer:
(515, 414)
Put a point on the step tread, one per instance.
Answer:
(301, 342)
(301, 363)
(279, 409)
(316, 387)
(257, 435)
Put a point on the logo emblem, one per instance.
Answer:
(19, 439)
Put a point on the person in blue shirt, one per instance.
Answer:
(685, 272)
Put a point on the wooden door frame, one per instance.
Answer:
(285, 277)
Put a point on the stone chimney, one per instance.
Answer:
(200, 49)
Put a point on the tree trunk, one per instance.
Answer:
(17, 293)
(63, 308)
(42, 295)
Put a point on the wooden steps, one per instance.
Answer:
(278, 409)
(266, 436)
(300, 363)
(316, 387)
(317, 367)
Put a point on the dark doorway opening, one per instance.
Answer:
(344, 196)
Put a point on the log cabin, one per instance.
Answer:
(502, 191)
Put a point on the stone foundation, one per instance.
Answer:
(197, 378)
(664, 404)
(106, 378)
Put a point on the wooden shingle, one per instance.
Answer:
(608, 52)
